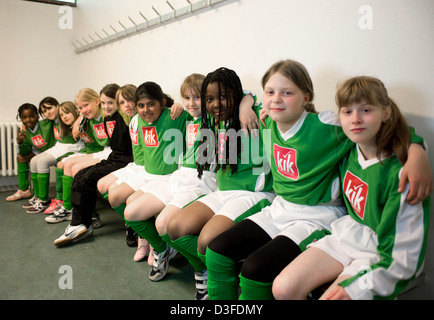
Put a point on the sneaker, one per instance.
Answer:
(161, 263)
(54, 205)
(59, 215)
(39, 206)
(19, 195)
(142, 249)
(201, 278)
(151, 256)
(73, 234)
(131, 237)
(96, 221)
(29, 204)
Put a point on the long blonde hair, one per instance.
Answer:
(394, 134)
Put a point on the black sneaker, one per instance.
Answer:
(39, 206)
(132, 237)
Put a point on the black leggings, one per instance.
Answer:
(84, 192)
(264, 257)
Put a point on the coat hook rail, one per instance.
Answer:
(175, 13)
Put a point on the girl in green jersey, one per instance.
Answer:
(66, 113)
(33, 137)
(95, 138)
(243, 181)
(376, 250)
(304, 149)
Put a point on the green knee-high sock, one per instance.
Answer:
(59, 184)
(105, 195)
(23, 175)
(67, 184)
(120, 210)
(222, 278)
(44, 184)
(202, 257)
(255, 290)
(34, 177)
(179, 246)
(146, 229)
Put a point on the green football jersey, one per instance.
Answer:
(136, 140)
(304, 160)
(253, 171)
(163, 142)
(95, 137)
(41, 137)
(192, 143)
(65, 139)
(372, 199)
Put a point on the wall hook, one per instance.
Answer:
(140, 12)
(106, 32)
(132, 20)
(170, 5)
(122, 25)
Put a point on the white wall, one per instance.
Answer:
(36, 59)
(250, 35)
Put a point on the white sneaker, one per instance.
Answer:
(73, 234)
(29, 204)
(161, 263)
(201, 278)
(59, 215)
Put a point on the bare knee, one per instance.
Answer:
(175, 228)
(113, 198)
(282, 290)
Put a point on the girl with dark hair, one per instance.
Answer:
(243, 178)
(34, 137)
(65, 145)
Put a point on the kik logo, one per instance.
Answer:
(85, 137)
(192, 131)
(286, 161)
(150, 137)
(57, 134)
(100, 131)
(110, 127)
(38, 142)
(356, 192)
(134, 137)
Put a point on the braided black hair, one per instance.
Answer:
(229, 82)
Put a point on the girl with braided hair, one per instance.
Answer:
(243, 179)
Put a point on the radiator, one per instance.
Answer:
(8, 152)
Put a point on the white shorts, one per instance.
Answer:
(131, 174)
(297, 222)
(152, 181)
(351, 243)
(237, 204)
(60, 149)
(184, 187)
(103, 154)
